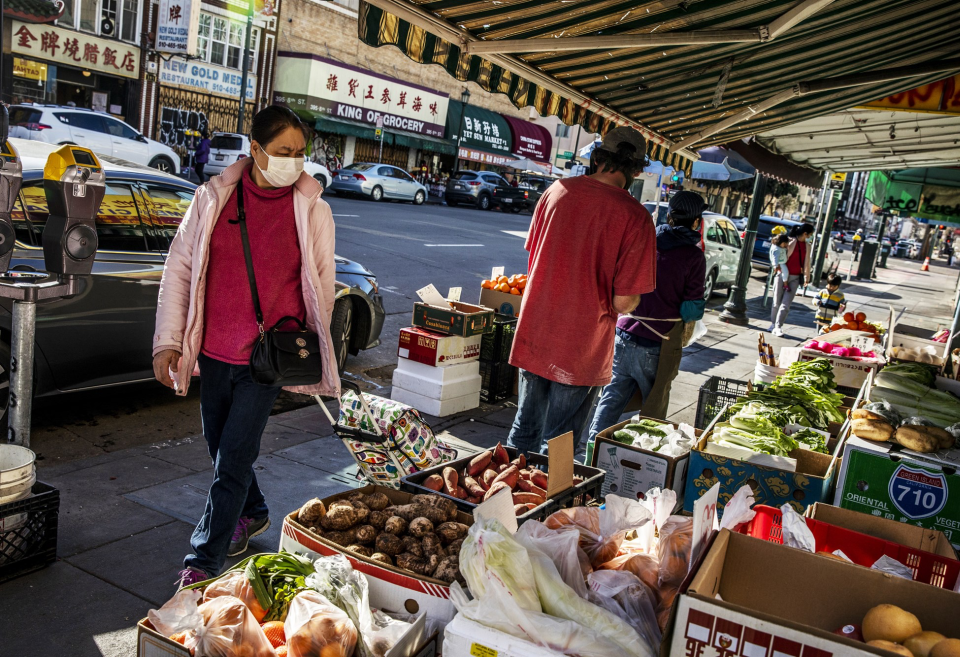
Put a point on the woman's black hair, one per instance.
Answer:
(802, 229)
(271, 121)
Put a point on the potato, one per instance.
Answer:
(360, 549)
(395, 525)
(389, 544)
(454, 548)
(508, 476)
(433, 482)
(339, 516)
(311, 513)
(362, 511)
(412, 545)
(382, 558)
(418, 565)
(379, 519)
(889, 623)
(479, 463)
(449, 507)
(345, 537)
(451, 531)
(448, 570)
(875, 430)
(864, 414)
(946, 648)
(890, 646)
(411, 511)
(377, 501)
(917, 439)
(944, 438)
(433, 545)
(366, 534)
(494, 489)
(500, 456)
(420, 527)
(921, 644)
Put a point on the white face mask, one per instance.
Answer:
(281, 171)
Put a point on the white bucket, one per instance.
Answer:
(766, 373)
(18, 472)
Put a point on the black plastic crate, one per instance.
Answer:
(577, 495)
(496, 381)
(495, 345)
(716, 393)
(28, 532)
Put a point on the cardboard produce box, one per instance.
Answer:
(391, 588)
(437, 349)
(502, 302)
(751, 597)
(632, 471)
(847, 372)
(466, 638)
(897, 484)
(461, 319)
(918, 538)
(809, 482)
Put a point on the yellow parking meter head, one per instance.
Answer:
(8, 151)
(66, 156)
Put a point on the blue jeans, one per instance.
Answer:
(547, 409)
(634, 367)
(234, 410)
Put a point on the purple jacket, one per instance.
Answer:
(202, 153)
(681, 273)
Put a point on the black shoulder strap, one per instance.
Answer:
(242, 219)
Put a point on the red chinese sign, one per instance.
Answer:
(938, 97)
(62, 46)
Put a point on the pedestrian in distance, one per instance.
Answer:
(646, 339)
(206, 316)
(857, 239)
(778, 258)
(592, 254)
(798, 273)
(830, 302)
(201, 155)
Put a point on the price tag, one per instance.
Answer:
(499, 507)
(454, 294)
(862, 342)
(704, 522)
(497, 273)
(431, 296)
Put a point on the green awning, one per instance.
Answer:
(426, 142)
(344, 127)
(482, 129)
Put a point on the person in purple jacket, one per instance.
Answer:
(201, 155)
(679, 297)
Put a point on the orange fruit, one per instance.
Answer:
(522, 283)
(514, 290)
(486, 285)
(860, 317)
(274, 632)
(180, 637)
(504, 287)
(282, 651)
(503, 279)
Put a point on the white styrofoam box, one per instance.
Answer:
(434, 390)
(439, 375)
(436, 407)
(466, 638)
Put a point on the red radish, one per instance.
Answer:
(500, 455)
(433, 482)
(479, 463)
(510, 476)
(496, 488)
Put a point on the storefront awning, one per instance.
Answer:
(341, 126)
(530, 140)
(34, 11)
(425, 142)
(483, 130)
(774, 165)
(930, 194)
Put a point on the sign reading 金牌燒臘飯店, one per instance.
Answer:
(194, 75)
(315, 85)
(61, 46)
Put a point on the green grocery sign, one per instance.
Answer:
(937, 203)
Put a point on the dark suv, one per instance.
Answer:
(103, 335)
(473, 188)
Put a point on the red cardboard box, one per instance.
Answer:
(437, 349)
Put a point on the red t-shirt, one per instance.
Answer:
(229, 322)
(588, 241)
(796, 260)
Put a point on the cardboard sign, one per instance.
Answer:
(560, 464)
(499, 507)
(497, 273)
(454, 294)
(431, 296)
(862, 342)
(704, 521)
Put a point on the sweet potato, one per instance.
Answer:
(519, 509)
(494, 489)
(502, 467)
(520, 462)
(525, 473)
(475, 499)
(509, 476)
(473, 487)
(460, 493)
(528, 498)
(450, 481)
(486, 480)
(479, 463)
(530, 487)
(500, 456)
(539, 479)
(433, 482)
(531, 506)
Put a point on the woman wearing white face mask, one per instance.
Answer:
(206, 316)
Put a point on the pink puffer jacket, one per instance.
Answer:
(182, 289)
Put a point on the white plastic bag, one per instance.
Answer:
(180, 613)
(693, 331)
(602, 530)
(563, 549)
(739, 509)
(229, 628)
(622, 593)
(795, 532)
(315, 627)
(891, 566)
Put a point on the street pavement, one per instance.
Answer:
(126, 515)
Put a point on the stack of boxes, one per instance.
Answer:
(438, 369)
(497, 374)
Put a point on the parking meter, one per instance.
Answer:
(73, 181)
(11, 175)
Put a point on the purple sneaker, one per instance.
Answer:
(190, 576)
(246, 529)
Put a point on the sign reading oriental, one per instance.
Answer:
(314, 85)
(61, 46)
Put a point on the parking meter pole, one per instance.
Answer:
(22, 331)
(880, 232)
(823, 241)
(735, 309)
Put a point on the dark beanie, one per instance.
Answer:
(686, 206)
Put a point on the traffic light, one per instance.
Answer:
(675, 178)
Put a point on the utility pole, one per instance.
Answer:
(245, 69)
(735, 309)
(823, 240)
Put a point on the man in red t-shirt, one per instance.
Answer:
(592, 254)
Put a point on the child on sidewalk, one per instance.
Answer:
(830, 302)
(778, 257)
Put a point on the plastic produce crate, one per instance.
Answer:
(716, 393)
(862, 549)
(496, 344)
(28, 532)
(577, 495)
(496, 381)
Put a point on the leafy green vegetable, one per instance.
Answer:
(916, 371)
(812, 440)
(777, 443)
(626, 436)
(903, 384)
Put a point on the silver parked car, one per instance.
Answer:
(378, 181)
(473, 188)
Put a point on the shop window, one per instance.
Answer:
(203, 36)
(130, 26)
(235, 46)
(68, 18)
(108, 17)
(218, 40)
(89, 17)
(368, 150)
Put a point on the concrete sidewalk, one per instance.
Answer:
(126, 517)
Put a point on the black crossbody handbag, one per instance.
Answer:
(279, 358)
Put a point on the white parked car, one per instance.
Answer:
(228, 147)
(98, 131)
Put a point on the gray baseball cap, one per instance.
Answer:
(612, 140)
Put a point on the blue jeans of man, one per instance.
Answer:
(234, 410)
(547, 409)
(634, 366)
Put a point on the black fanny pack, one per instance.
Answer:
(279, 358)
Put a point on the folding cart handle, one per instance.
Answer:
(349, 432)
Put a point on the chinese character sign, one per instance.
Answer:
(358, 95)
(46, 42)
(177, 25)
